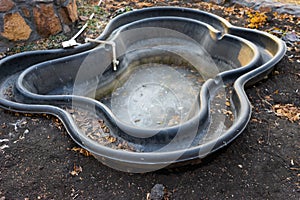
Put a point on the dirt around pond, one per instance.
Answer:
(38, 159)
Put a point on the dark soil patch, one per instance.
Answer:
(262, 163)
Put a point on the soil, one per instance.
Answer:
(39, 161)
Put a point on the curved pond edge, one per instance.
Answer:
(271, 50)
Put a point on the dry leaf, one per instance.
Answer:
(76, 170)
(227, 103)
(288, 110)
(82, 151)
(111, 139)
(256, 19)
(83, 18)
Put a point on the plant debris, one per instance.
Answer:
(97, 130)
(256, 19)
(288, 111)
(81, 151)
(76, 170)
(269, 162)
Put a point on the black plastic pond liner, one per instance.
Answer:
(177, 94)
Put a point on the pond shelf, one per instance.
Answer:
(160, 87)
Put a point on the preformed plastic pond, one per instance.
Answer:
(160, 87)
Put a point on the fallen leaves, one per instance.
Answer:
(58, 124)
(144, 4)
(288, 111)
(111, 139)
(81, 151)
(227, 103)
(76, 170)
(285, 17)
(256, 19)
(97, 130)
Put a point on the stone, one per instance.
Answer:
(68, 12)
(72, 10)
(6, 5)
(157, 192)
(47, 22)
(15, 27)
(64, 16)
(66, 28)
(265, 9)
(25, 11)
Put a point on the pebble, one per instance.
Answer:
(157, 192)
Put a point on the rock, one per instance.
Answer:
(47, 22)
(15, 27)
(266, 9)
(64, 16)
(72, 10)
(6, 5)
(68, 12)
(291, 37)
(157, 192)
(66, 28)
(25, 11)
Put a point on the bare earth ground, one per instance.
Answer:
(262, 163)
